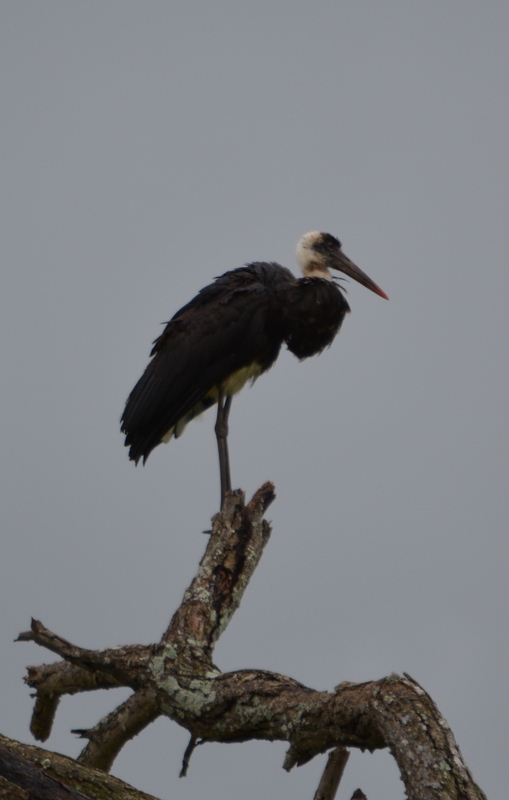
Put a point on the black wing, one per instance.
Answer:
(228, 325)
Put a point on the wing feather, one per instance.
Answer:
(227, 326)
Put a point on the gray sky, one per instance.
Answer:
(146, 148)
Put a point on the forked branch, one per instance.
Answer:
(177, 678)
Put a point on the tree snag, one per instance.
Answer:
(177, 678)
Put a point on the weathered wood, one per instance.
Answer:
(178, 678)
(31, 773)
(107, 738)
(54, 680)
(332, 774)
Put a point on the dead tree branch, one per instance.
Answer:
(332, 774)
(30, 773)
(178, 678)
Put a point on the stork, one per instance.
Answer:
(230, 333)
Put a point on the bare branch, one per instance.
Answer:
(54, 680)
(107, 738)
(124, 664)
(66, 678)
(37, 774)
(332, 774)
(235, 546)
(193, 743)
(177, 678)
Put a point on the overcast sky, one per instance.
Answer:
(146, 148)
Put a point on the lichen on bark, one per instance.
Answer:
(177, 678)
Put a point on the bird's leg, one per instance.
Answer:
(223, 412)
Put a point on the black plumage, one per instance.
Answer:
(232, 331)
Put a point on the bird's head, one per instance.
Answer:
(318, 253)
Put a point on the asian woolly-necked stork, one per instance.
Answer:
(230, 333)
